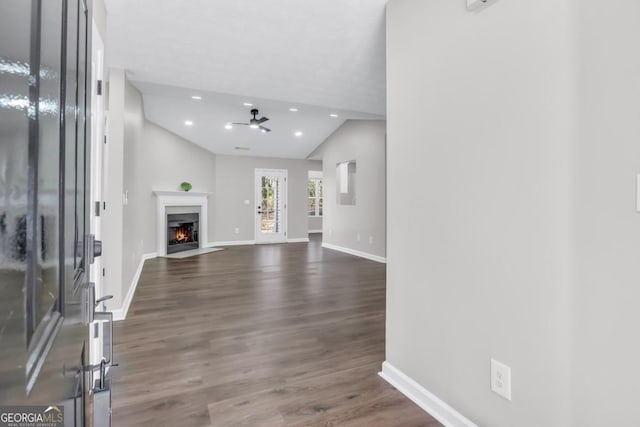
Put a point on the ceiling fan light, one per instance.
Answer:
(228, 126)
(253, 126)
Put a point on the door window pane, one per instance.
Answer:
(48, 210)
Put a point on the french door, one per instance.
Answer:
(271, 205)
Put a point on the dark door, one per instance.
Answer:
(43, 204)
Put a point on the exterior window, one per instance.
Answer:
(314, 205)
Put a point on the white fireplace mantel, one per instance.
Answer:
(179, 198)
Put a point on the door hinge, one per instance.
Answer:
(99, 87)
(104, 206)
(104, 272)
(97, 208)
(105, 139)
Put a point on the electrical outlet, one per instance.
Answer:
(237, 230)
(501, 379)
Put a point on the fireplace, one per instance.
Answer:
(182, 232)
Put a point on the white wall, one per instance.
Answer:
(364, 142)
(235, 183)
(479, 169)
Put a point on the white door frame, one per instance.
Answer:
(275, 238)
(97, 177)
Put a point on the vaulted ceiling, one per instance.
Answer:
(326, 55)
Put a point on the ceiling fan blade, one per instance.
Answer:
(264, 129)
(262, 120)
(244, 124)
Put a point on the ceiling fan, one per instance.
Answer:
(256, 123)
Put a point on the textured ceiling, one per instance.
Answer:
(327, 53)
(170, 107)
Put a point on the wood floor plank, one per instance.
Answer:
(265, 335)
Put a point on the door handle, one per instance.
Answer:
(104, 298)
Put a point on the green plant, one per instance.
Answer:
(186, 186)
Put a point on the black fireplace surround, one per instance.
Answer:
(182, 232)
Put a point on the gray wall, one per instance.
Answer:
(315, 223)
(364, 142)
(512, 223)
(154, 159)
(235, 183)
(479, 172)
(606, 244)
(112, 189)
(144, 157)
(137, 210)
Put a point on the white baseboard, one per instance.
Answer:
(249, 242)
(428, 401)
(231, 243)
(314, 231)
(298, 240)
(121, 313)
(371, 257)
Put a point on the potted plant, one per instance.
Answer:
(186, 186)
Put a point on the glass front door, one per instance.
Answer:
(271, 204)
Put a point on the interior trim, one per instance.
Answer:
(426, 400)
(349, 251)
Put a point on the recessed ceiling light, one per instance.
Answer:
(334, 115)
(188, 122)
(196, 97)
(298, 133)
(228, 126)
(247, 104)
(293, 109)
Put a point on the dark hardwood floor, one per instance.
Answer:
(266, 335)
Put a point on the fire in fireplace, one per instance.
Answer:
(182, 232)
